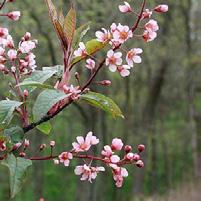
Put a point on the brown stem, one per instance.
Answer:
(2, 5)
(83, 156)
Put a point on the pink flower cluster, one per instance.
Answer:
(19, 59)
(117, 36)
(108, 156)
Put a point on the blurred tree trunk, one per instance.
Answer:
(188, 16)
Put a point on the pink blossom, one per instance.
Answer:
(9, 42)
(133, 56)
(30, 61)
(65, 158)
(113, 27)
(124, 70)
(27, 46)
(90, 64)
(2, 51)
(150, 30)
(73, 92)
(12, 54)
(83, 145)
(88, 172)
(14, 15)
(117, 144)
(147, 14)
(3, 32)
(113, 59)
(103, 36)
(114, 159)
(151, 26)
(118, 176)
(126, 8)
(122, 34)
(161, 8)
(107, 151)
(149, 36)
(81, 51)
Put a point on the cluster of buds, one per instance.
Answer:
(109, 157)
(19, 59)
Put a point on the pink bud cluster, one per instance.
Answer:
(109, 157)
(19, 59)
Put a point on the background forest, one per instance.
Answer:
(161, 101)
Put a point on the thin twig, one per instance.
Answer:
(2, 5)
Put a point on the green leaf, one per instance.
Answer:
(7, 107)
(80, 33)
(45, 101)
(35, 84)
(92, 47)
(103, 102)
(58, 69)
(16, 134)
(45, 127)
(70, 25)
(18, 168)
(37, 79)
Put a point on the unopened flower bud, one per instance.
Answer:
(14, 15)
(136, 157)
(140, 164)
(16, 146)
(127, 148)
(105, 82)
(126, 8)
(161, 8)
(2, 145)
(27, 36)
(26, 93)
(26, 143)
(22, 154)
(42, 146)
(141, 148)
(52, 143)
(129, 156)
